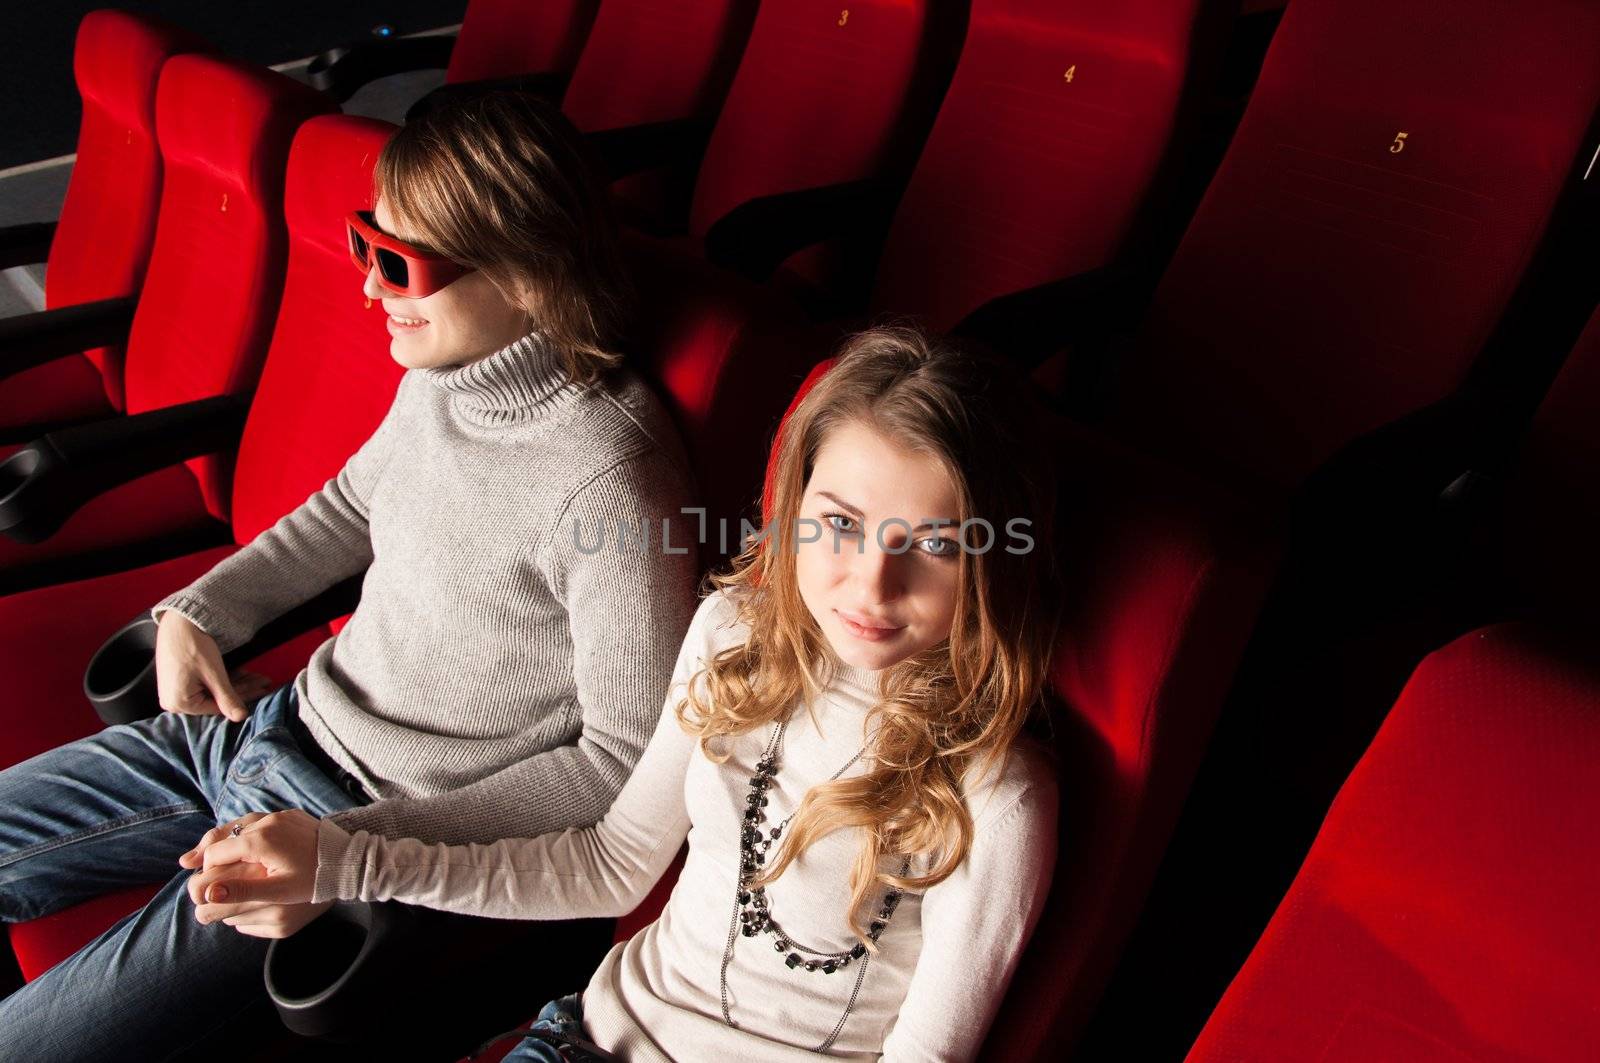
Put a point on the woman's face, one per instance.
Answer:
(462, 322)
(879, 578)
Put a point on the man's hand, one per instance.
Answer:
(191, 678)
(259, 882)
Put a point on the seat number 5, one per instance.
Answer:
(1399, 144)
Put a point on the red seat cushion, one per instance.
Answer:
(1446, 911)
(45, 942)
(67, 389)
(49, 634)
(154, 516)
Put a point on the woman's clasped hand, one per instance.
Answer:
(256, 873)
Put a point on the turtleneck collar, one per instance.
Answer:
(515, 384)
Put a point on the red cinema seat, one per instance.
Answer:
(647, 89)
(204, 315)
(944, 259)
(1364, 234)
(99, 247)
(820, 128)
(327, 383)
(512, 39)
(1314, 343)
(1446, 910)
(1046, 153)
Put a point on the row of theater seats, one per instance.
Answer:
(1334, 334)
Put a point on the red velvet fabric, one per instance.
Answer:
(508, 38)
(108, 219)
(1446, 911)
(216, 271)
(1028, 176)
(821, 97)
(724, 353)
(328, 379)
(1365, 231)
(655, 61)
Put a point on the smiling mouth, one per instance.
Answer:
(862, 628)
(399, 325)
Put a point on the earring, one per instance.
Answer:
(368, 303)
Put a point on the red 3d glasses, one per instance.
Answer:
(402, 269)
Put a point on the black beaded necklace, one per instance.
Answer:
(752, 912)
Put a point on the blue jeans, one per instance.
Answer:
(563, 1019)
(116, 810)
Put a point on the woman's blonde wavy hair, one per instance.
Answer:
(945, 716)
(499, 180)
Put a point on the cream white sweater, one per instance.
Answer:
(930, 994)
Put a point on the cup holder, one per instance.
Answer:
(315, 977)
(120, 681)
(16, 470)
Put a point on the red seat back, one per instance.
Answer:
(1447, 908)
(823, 95)
(1045, 148)
(328, 378)
(507, 38)
(1365, 231)
(216, 269)
(108, 220)
(656, 61)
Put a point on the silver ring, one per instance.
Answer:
(238, 829)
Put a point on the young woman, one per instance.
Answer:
(870, 835)
(495, 680)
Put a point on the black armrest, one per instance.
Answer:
(339, 977)
(549, 84)
(27, 340)
(755, 237)
(341, 71)
(21, 245)
(1030, 325)
(120, 681)
(627, 150)
(46, 481)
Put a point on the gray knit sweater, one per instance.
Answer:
(501, 675)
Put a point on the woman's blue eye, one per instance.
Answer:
(840, 523)
(937, 546)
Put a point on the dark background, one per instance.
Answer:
(39, 102)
